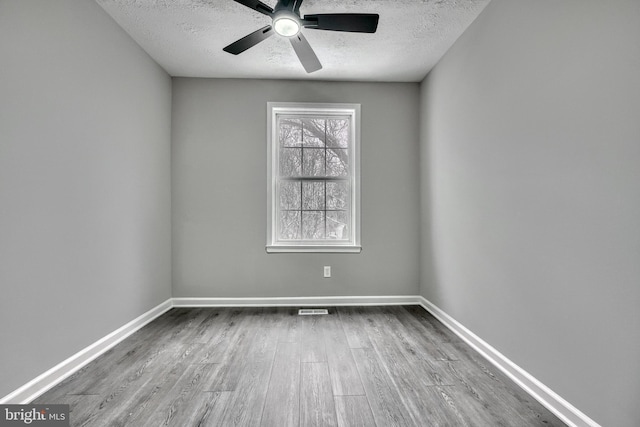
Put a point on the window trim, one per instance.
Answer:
(331, 246)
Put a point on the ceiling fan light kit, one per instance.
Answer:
(287, 22)
(286, 26)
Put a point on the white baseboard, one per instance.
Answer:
(297, 301)
(568, 413)
(58, 373)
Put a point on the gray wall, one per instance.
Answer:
(531, 194)
(219, 192)
(84, 183)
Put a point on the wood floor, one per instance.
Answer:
(371, 366)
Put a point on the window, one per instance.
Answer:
(314, 177)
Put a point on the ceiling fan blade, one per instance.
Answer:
(305, 53)
(296, 7)
(258, 6)
(293, 5)
(351, 22)
(251, 40)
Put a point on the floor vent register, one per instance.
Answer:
(312, 311)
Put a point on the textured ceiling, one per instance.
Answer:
(186, 38)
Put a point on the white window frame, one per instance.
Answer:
(274, 245)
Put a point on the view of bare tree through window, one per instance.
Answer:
(313, 185)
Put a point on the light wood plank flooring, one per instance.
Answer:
(357, 366)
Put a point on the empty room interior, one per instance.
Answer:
(456, 182)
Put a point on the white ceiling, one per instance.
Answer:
(186, 38)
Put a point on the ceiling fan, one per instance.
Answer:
(287, 22)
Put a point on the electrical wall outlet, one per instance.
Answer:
(327, 271)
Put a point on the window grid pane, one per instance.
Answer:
(313, 182)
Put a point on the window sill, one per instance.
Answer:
(313, 249)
